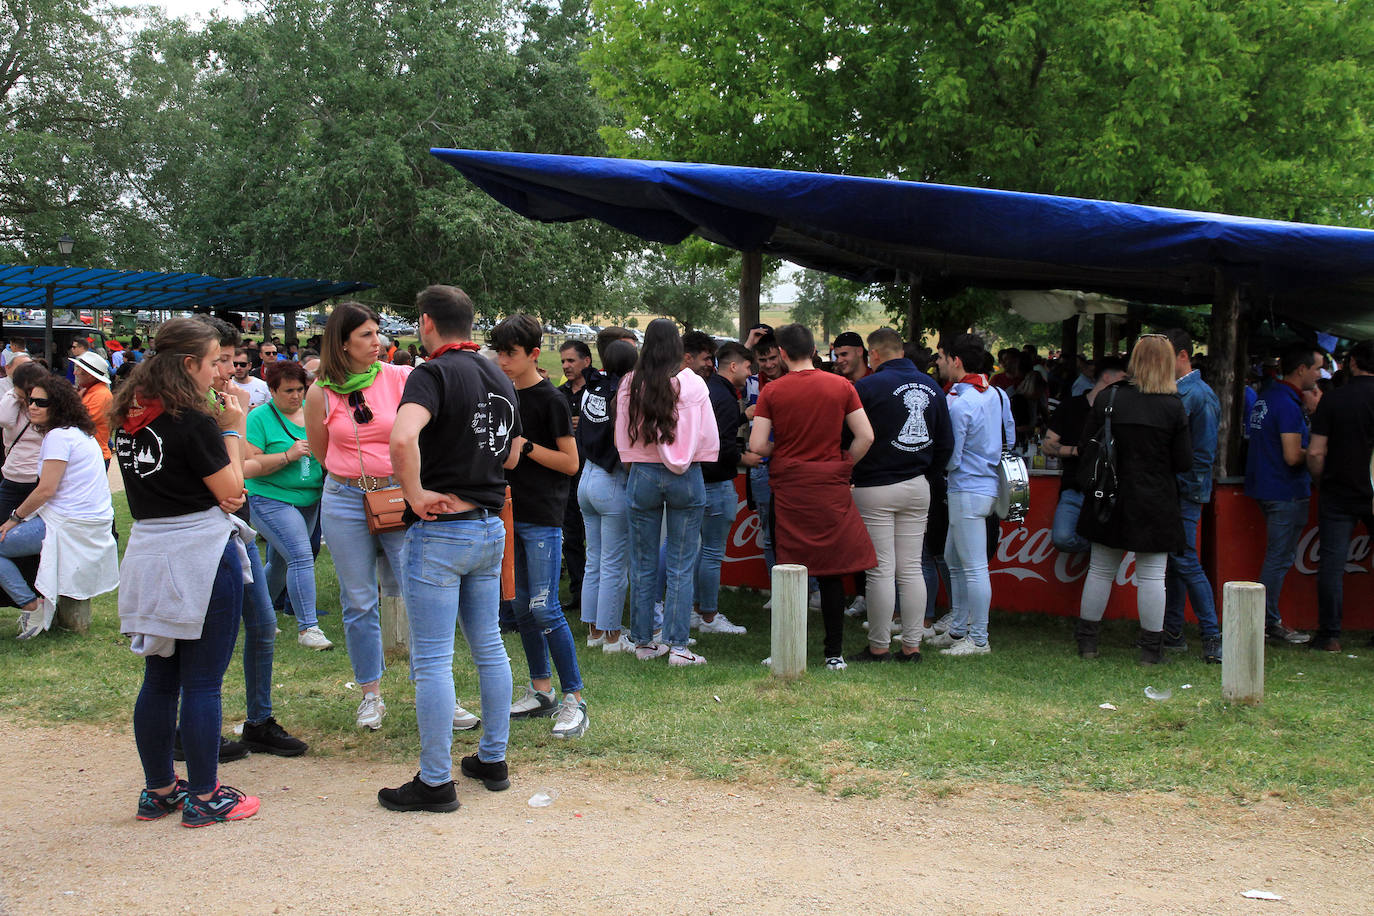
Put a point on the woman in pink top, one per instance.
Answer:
(664, 429)
(349, 412)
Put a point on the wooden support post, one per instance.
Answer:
(1242, 640)
(395, 626)
(1099, 336)
(1068, 336)
(290, 328)
(750, 282)
(915, 321)
(73, 614)
(789, 620)
(1226, 359)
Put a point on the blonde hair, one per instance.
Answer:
(1152, 365)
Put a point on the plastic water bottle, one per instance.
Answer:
(305, 467)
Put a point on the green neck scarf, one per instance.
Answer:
(355, 382)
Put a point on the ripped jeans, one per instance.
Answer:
(538, 615)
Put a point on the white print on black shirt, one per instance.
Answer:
(914, 435)
(145, 446)
(491, 422)
(594, 408)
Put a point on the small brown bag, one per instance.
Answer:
(384, 507)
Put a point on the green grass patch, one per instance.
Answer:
(1028, 714)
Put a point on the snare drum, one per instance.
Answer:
(1013, 488)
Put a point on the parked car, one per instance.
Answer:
(580, 332)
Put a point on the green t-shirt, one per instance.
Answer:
(300, 482)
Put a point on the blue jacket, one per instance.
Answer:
(911, 432)
(1204, 414)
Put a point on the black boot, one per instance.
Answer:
(1151, 647)
(1086, 633)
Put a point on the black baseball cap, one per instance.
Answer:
(849, 339)
(761, 327)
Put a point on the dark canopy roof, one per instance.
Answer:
(87, 288)
(878, 230)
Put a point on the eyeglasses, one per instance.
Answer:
(40, 402)
(361, 412)
(266, 353)
(237, 363)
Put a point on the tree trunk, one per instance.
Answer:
(750, 281)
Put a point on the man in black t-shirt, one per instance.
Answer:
(1338, 456)
(539, 491)
(1061, 441)
(452, 439)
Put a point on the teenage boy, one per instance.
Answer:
(771, 368)
(539, 489)
(732, 369)
(452, 439)
(576, 359)
(851, 359)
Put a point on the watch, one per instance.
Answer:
(527, 447)
(16, 517)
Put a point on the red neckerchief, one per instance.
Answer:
(977, 381)
(465, 345)
(141, 413)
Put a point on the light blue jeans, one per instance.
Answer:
(606, 518)
(354, 550)
(721, 503)
(286, 529)
(538, 615)
(452, 574)
(655, 493)
(1064, 532)
(966, 552)
(24, 540)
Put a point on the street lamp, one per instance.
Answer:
(64, 247)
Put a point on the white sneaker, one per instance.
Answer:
(681, 657)
(768, 605)
(943, 623)
(464, 720)
(371, 712)
(941, 640)
(927, 633)
(622, 644)
(966, 646)
(721, 624)
(695, 621)
(594, 641)
(314, 638)
(533, 704)
(30, 624)
(651, 651)
(571, 721)
(857, 608)
(835, 663)
(813, 603)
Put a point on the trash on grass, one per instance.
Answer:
(350, 686)
(543, 798)
(1154, 693)
(1261, 895)
(1186, 687)
(1105, 706)
(716, 698)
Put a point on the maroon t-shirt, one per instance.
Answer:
(807, 409)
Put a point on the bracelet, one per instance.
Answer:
(227, 433)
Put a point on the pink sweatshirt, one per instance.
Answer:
(697, 437)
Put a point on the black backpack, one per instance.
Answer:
(1098, 470)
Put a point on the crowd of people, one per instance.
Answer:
(877, 469)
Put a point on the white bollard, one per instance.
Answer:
(1242, 641)
(789, 620)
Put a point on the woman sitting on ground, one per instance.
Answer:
(284, 484)
(66, 518)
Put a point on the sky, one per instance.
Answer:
(199, 9)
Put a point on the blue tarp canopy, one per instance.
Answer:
(887, 231)
(88, 288)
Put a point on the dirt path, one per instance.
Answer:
(321, 844)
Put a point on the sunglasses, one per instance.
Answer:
(40, 402)
(361, 412)
(237, 363)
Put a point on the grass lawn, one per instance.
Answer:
(1028, 714)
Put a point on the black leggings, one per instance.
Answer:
(832, 613)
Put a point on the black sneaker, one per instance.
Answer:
(1175, 642)
(1211, 650)
(152, 806)
(867, 655)
(897, 655)
(270, 738)
(1278, 633)
(495, 776)
(417, 796)
(1326, 644)
(229, 751)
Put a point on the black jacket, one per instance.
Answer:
(725, 405)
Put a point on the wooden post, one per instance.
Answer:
(1242, 640)
(1099, 336)
(290, 329)
(395, 625)
(789, 620)
(73, 614)
(750, 282)
(1226, 363)
(1068, 336)
(915, 322)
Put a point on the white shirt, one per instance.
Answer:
(85, 490)
(258, 392)
(22, 441)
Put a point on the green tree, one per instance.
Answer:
(679, 283)
(827, 302)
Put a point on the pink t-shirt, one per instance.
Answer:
(383, 396)
(697, 438)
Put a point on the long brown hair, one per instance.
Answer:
(163, 375)
(64, 406)
(653, 394)
(346, 318)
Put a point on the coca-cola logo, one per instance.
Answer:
(1029, 553)
(1309, 553)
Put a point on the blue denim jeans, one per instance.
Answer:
(966, 552)
(451, 572)
(1064, 532)
(538, 615)
(1283, 523)
(656, 493)
(721, 503)
(1335, 526)
(286, 529)
(259, 641)
(193, 674)
(355, 550)
(763, 499)
(606, 518)
(1186, 579)
(23, 540)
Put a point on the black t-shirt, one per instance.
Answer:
(473, 419)
(1068, 420)
(164, 464)
(1345, 416)
(540, 494)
